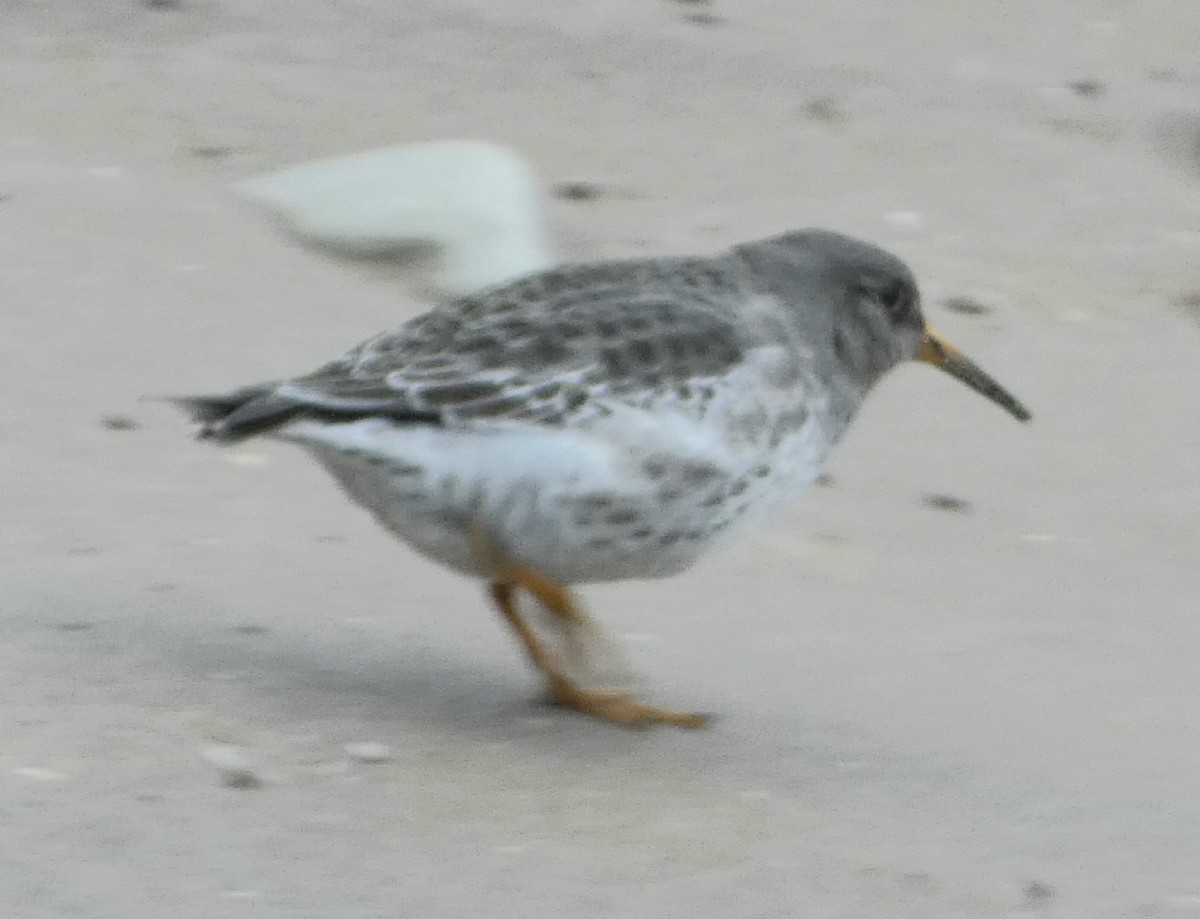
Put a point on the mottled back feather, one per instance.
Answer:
(544, 350)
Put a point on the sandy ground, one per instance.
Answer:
(981, 712)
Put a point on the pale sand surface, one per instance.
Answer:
(924, 713)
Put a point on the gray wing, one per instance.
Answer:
(545, 350)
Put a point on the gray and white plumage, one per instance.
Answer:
(607, 421)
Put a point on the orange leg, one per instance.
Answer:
(611, 705)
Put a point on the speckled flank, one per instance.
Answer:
(610, 500)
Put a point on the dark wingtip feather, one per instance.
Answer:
(234, 416)
(244, 413)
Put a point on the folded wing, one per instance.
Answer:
(547, 350)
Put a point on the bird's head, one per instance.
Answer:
(862, 304)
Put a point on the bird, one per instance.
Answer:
(605, 421)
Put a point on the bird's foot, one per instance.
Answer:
(620, 707)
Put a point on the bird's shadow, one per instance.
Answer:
(397, 689)
(286, 676)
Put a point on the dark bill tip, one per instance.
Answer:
(941, 354)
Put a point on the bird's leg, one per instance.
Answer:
(615, 705)
(588, 655)
(504, 596)
(610, 704)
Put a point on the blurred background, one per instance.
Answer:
(960, 679)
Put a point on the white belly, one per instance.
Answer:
(632, 496)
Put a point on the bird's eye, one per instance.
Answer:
(895, 300)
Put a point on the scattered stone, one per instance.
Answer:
(967, 306)
(946, 503)
(368, 752)
(703, 19)
(236, 770)
(825, 480)
(1038, 893)
(577, 191)
(251, 628)
(74, 626)
(1190, 301)
(119, 423)
(161, 4)
(823, 108)
(1088, 88)
(38, 774)
(210, 151)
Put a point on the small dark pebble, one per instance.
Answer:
(823, 108)
(119, 423)
(825, 480)
(1189, 301)
(329, 537)
(946, 503)
(74, 626)
(968, 306)
(161, 4)
(210, 151)
(83, 550)
(1088, 88)
(577, 191)
(251, 629)
(242, 780)
(703, 19)
(163, 587)
(1038, 892)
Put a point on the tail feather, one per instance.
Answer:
(240, 414)
(230, 417)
